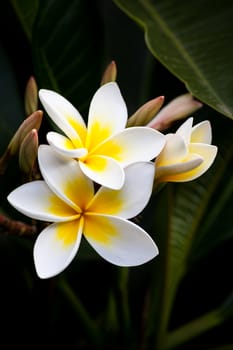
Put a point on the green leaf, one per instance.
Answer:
(26, 12)
(66, 47)
(193, 329)
(188, 207)
(217, 227)
(194, 41)
(201, 324)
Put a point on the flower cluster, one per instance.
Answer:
(121, 161)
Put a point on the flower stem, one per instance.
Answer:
(123, 307)
(123, 286)
(82, 314)
(15, 227)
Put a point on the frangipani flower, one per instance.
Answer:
(67, 199)
(187, 154)
(103, 148)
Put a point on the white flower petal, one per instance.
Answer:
(119, 241)
(136, 144)
(178, 172)
(207, 152)
(65, 178)
(107, 114)
(104, 171)
(37, 201)
(204, 152)
(201, 133)
(56, 247)
(132, 198)
(64, 146)
(64, 115)
(174, 151)
(185, 130)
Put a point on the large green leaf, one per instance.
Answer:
(191, 208)
(194, 41)
(200, 325)
(217, 227)
(188, 207)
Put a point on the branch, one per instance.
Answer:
(15, 227)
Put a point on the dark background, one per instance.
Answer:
(34, 313)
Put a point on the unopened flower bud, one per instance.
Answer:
(179, 108)
(31, 96)
(146, 112)
(28, 152)
(31, 122)
(109, 74)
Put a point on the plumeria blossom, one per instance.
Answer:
(67, 199)
(104, 147)
(187, 154)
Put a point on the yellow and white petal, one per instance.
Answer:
(65, 178)
(64, 115)
(174, 151)
(56, 247)
(203, 151)
(185, 130)
(104, 171)
(201, 133)
(107, 114)
(37, 201)
(136, 144)
(119, 241)
(64, 146)
(178, 172)
(207, 152)
(132, 198)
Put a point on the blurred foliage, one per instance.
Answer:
(183, 298)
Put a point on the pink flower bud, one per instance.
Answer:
(179, 108)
